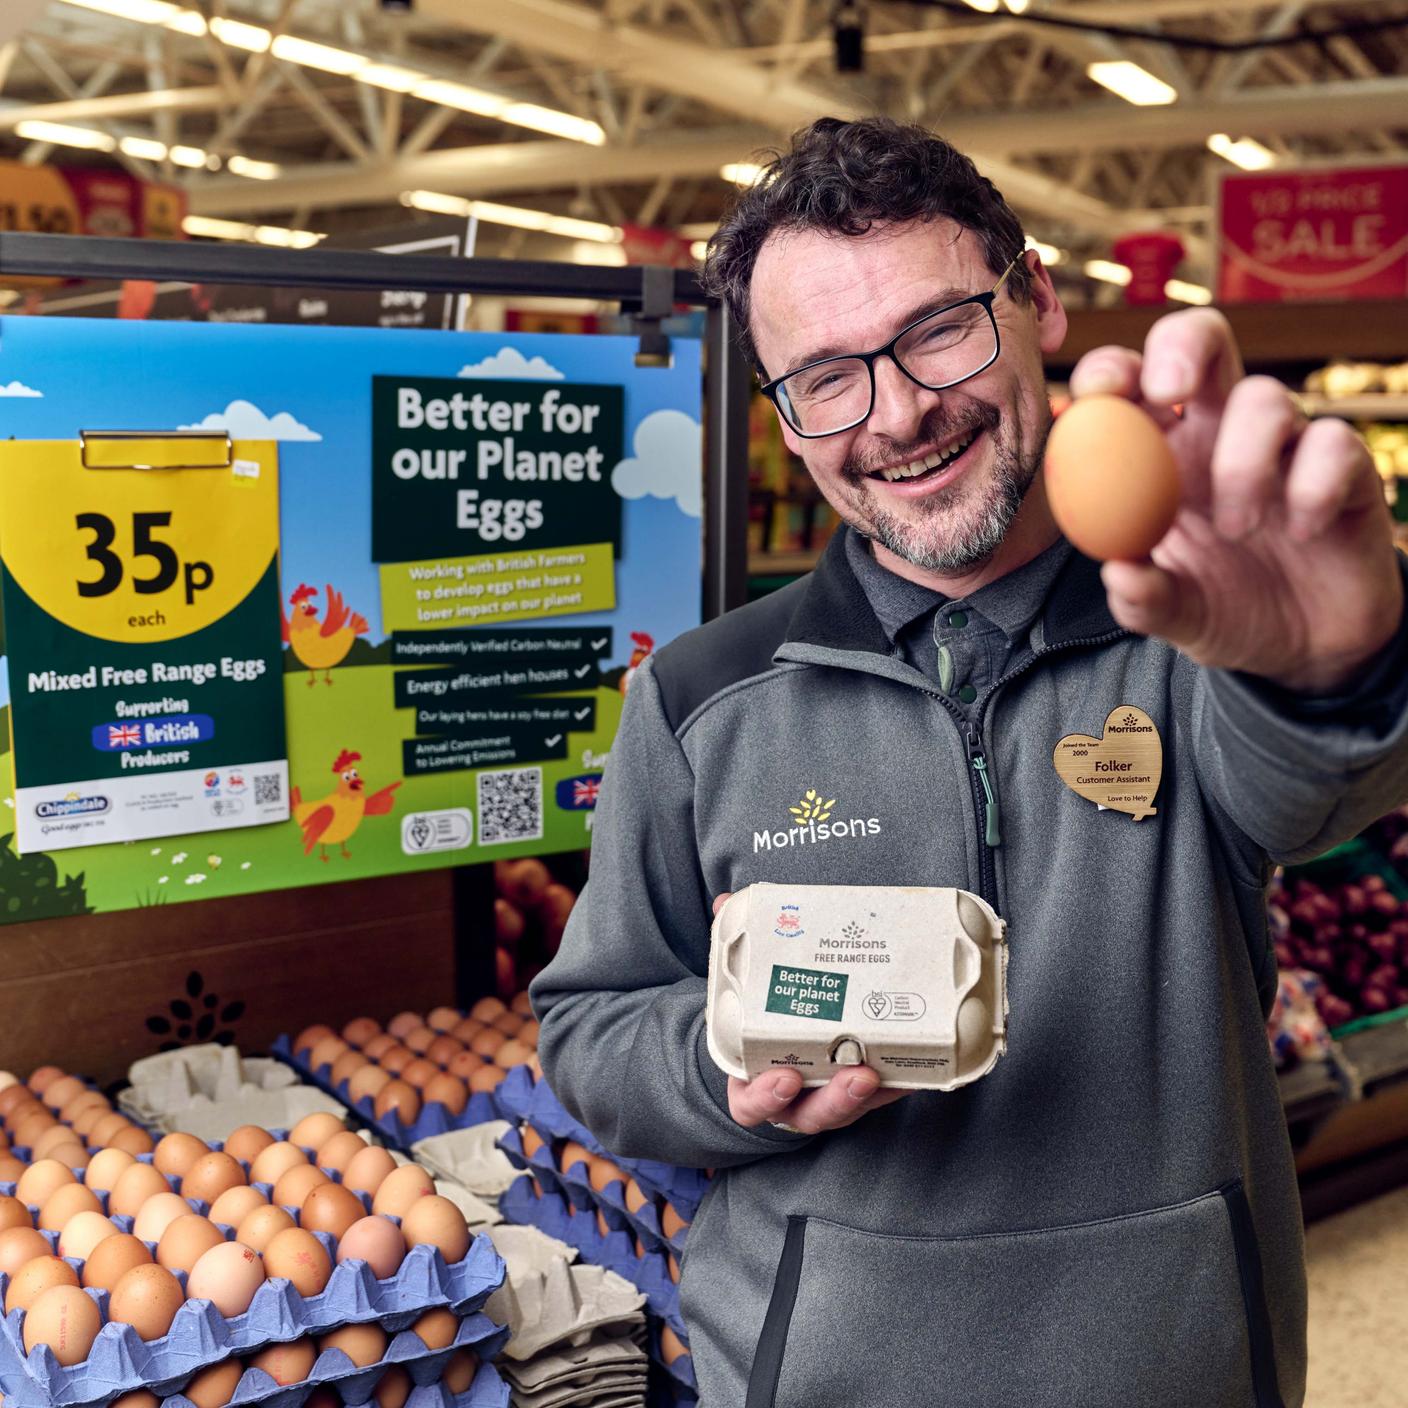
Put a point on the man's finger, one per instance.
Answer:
(844, 1098)
(1115, 371)
(1258, 429)
(1330, 471)
(764, 1098)
(721, 900)
(1144, 597)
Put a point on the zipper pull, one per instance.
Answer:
(991, 834)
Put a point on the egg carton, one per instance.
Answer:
(333, 1366)
(215, 1121)
(176, 1080)
(434, 1118)
(563, 1303)
(470, 1157)
(554, 1215)
(602, 1364)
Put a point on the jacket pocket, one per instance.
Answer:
(1160, 1309)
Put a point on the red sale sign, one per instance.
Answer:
(1311, 234)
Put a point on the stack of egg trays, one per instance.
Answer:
(434, 1118)
(200, 1335)
(551, 1213)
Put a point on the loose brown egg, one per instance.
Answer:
(346, 1065)
(227, 1275)
(331, 1208)
(13, 1213)
(185, 1241)
(247, 1142)
(112, 1259)
(34, 1278)
(131, 1140)
(41, 1179)
(147, 1298)
(66, 1201)
(360, 1030)
(437, 1222)
(362, 1344)
(401, 1098)
(392, 1389)
(443, 1050)
(214, 1387)
(459, 1371)
(400, 1188)
(419, 1040)
(375, 1240)
(313, 1131)
(175, 1154)
(365, 1084)
(378, 1046)
(82, 1233)
(402, 1023)
(43, 1077)
(513, 1053)
(341, 1149)
(67, 1320)
(286, 1363)
(464, 1064)
(235, 1204)
(437, 1328)
(272, 1163)
(419, 1073)
(300, 1258)
(211, 1175)
(135, 1185)
(397, 1059)
(486, 1079)
(1111, 478)
(671, 1345)
(19, 1245)
(309, 1037)
(106, 1167)
(445, 1090)
(365, 1172)
(326, 1052)
(157, 1214)
(522, 1004)
(262, 1225)
(107, 1128)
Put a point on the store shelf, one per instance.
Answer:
(1370, 406)
(1378, 1055)
(1310, 1091)
(781, 564)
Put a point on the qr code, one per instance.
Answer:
(510, 806)
(268, 790)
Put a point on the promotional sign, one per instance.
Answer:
(142, 631)
(1313, 233)
(49, 200)
(456, 646)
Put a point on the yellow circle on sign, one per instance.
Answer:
(204, 536)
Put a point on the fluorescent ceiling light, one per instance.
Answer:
(239, 35)
(1134, 84)
(557, 124)
(143, 148)
(988, 7)
(1018, 7)
(1108, 272)
(254, 170)
(62, 135)
(594, 252)
(207, 227)
(698, 250)
(461, 96)
(308, 54)
(1048, 253)
(540, 220)
(392, 76)
(741, 173)
(159, 12)
(1186, 292)
(437, 203)
(1244, 152)
(194, 157)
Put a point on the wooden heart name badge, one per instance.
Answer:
(1119, 771)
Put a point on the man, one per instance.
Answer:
(1110, 1216)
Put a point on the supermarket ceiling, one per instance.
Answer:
(1093, 116)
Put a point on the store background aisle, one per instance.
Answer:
(1358, 1264)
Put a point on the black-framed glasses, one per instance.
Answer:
(936, 351)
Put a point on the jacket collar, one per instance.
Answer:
(835, 614)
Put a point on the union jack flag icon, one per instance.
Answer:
(579, 794)
(124, 735)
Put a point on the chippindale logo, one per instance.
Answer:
(811, 823)
(1130, 724)
(72, 805)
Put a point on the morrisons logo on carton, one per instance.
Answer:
(812, 824)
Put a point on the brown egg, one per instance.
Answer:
(235, 1204)
(602, 1225)
(228, 1276)
(601, 1172)
(11, 1098)
(134, 1186)
(82, 1233)
(635, 1196)
(486, 1079)
(528, 1034)
(378, 1046)
(44, 1077)
(331, 1208)
(13, 1213)
(401, 1098)
(106, 1167)
(286, 1363)
(672, 1267)
(487, 1042)
(401, 1188)
(85, 1100)
(345, 1065)
(247, 1142)
(309, 1037)
(459, 1371)
(214, 1387)
(313, 1131)
(295, 1185)
(157, 1214)
(467, 1029)
(84, 1124)
(341, 1149)
(419, 1073)
(509, 1023)
(486, 1009)
(11, 1168)
(419, 1040)
(147, 1298)
(211, 1175)
(55, 1137)
(272, 1163)
(362, 1344)
(112, 1259)
(392, 1389)
(671, 1346)
(105, 1129)
(132, 1140)
(443, 1050)
(522, 1004)
(41, 1179)
(437, 1328)
(360, 1030)
(571, 1154)
(532, 1140)
(176, 1153)
(67, 1320)
(367, 1084)
(402, 1023)
(185, 1241)
(262, 1225)
(513, 1053)
(326, 1052)
(299, 1257)
(436, 1222)
(72, 1155)
(34, 1278)
(19, 1245)
(397, 1059)
(464, 1064)
(31, 1128)
(136, 1398)
(443, 1019)
(375, 1240)
(671, 1223)
(364, 1174)
(447, 1091)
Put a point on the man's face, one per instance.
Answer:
(815, 294)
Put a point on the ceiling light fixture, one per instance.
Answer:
(1107, 271)
(62, 135)
(742, 173)
(255, 170)
(207, 227)
(158, 12)
(541, 221)
(1185, 292)
(1048, 253)
(1250, 155)
(1134, 84)
(238, 35)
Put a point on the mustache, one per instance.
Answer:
(939, 424)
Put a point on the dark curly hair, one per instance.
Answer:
(844, 177)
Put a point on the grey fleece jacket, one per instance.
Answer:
(1108, 1219)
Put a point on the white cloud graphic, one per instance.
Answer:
(668, 462)
(18, 388)
(245, 421)
(510, 362)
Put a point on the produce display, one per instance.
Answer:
(530, 912)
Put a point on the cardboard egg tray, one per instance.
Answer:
(332, 1368)
(172, 1081)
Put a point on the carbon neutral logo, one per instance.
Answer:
(812, 824)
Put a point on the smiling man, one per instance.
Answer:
(1109, 1217)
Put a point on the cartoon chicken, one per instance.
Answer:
(321, 645)
(644, 644)
(331, 820)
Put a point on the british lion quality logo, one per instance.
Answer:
(811, 823)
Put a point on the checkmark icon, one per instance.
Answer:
(582, 714)
(601, 644)
(553, 741)
(583, 672)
